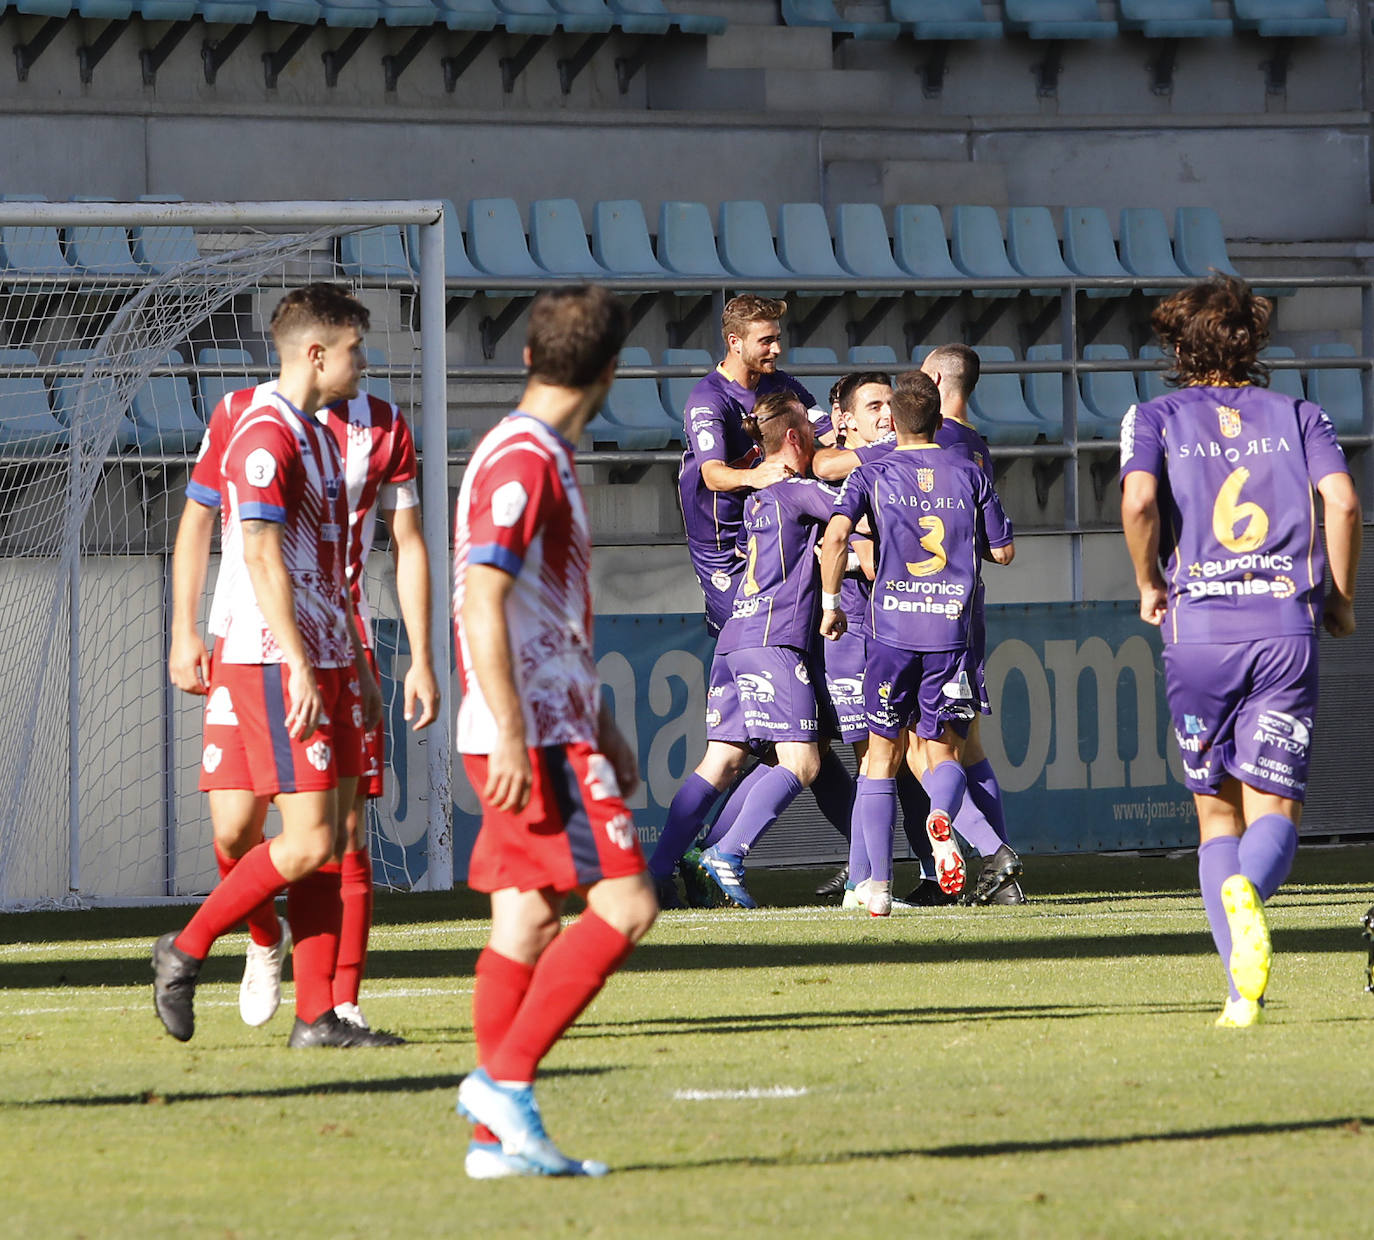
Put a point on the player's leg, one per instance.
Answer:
(875, 817)
(942, 724)
(982, 823)
(355, 891)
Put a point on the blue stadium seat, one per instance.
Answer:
(919, 246)
(31, 250)
(822, 13)
(584, 16)
(222, 371)
(378, 385)
(298, 12)
(688, 23)
(44, 8)
(675, 390)
(351, 14)
(686, 244)
(920, 352)
(470, 14)
(1289, 382)
(528, 16)
(1107, 394)
(818, 385)
(1174, 19)
(636, 404)
(1145, 248)
(106, 10)
(230, 12)
(1199, 243)
(944, 19)
(375, 253)
(157, 248)
(1058, 19)
(66, 392)
(977, 248)
(804, 243)
(641, 16)
(496, 238)
(558, 239)
(165, 413)
(408, 12)
(100, 249)
(861, 241)
(1089, 249)
(457, 265)
(27, 425)
(882, 356)
(744, 240)
(1339, 392)
(620, 239)
(998, 406)
(1032, 245)
(1150, 383)
(1045, 390)
(1281, 19)
(167, 10)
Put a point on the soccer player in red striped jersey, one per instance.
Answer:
(290, 688)
(541, 748)
(380, 472)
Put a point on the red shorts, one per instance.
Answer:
(574, 831)
(374, 744)
(246, 742)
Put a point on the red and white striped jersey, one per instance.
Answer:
(379, 468)
(277, 465)
(520, 510)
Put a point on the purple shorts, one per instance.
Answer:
(845, 661)
(978, 653)
(921, 690)
(1244, 710)
(762, 694)
(719, 586)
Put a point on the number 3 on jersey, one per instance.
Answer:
(933, 540)
(1230, 515)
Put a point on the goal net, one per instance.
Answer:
(123, 326)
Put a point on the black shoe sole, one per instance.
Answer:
(174, 988)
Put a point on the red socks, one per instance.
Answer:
(356, 892)
(262, 921)
(253, 881)
(569, 976)
(499, 988)
(315, 912)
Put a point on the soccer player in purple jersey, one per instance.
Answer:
(721, 463)
(931, 512)
(762, 687)
(1217, 481)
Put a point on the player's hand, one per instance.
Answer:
(303, 715)
(1153, 600)
(188, 664)
(371, 696)
(1339, 616)
(616, 750)
(767, 473)
(834, 625)
(421, 688)
(509, 777)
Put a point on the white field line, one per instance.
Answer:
(739, 1095)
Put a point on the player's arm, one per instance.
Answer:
(1140, 521)
(834, 464)
(611, 743)
(262, 554)
(188, 661)
(1002, 555)
(485, 630)
(834, 558)
(412, 588)
(718, 476)
(862, 551)
(1342, 522)
(369, 691)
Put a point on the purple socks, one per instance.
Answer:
(1217, 860)
(946, 783)
(986, 793)
(1267, 850)
(729, 812)
(685, 816)
(875, 816)
(768, 796)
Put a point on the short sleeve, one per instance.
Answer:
(401, 465)
(509, 506)
(996, 524)
(852, 500)
(1142, 442)
(261, 459)
(204, 482)
(706, 427)
(1319, 442)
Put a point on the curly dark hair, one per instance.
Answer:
(1214, 331)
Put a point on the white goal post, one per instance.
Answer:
(120, 326)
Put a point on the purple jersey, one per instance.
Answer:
(778, 600)
(714, 422)
(1238, 523)
(961, 437)
(930, 510)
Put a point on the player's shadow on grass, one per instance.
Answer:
(351, 1085)
(1000, 1149)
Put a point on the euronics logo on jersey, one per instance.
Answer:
(925, 479)
(219, 710)
(1230, 421)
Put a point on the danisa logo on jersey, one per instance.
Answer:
(935, 598)
(1216, 578)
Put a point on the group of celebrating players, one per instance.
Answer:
(840, 556)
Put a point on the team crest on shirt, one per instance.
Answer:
(211, 758)
(359, 433)
(721, 580)
(318, 755)
(621, 829)
(885, 690)
(1230, 421)
(978, 459)
(925, 479)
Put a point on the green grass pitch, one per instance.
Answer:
(1049, 1071)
